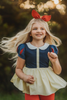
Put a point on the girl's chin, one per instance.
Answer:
(38, 38)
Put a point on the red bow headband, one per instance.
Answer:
(37, 16)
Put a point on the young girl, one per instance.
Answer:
(35, 46)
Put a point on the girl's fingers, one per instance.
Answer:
(32, 80)
(51, 54)
(32, 77)
(50, 58)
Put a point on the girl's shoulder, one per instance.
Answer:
(20, 47)
(21, 51)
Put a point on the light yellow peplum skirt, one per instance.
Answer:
(46, 81)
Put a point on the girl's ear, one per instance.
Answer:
(30, 34)
(46, 34)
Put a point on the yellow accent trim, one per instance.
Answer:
(37, 57)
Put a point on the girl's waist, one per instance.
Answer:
(35, 65)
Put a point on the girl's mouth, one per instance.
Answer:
(38, 34)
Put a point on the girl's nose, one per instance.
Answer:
(39, 30)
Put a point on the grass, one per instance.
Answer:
(60, 95)
(17, 96)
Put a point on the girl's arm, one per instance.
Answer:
(55, 62)
(20, 74)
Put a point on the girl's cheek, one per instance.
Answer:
(34, 32)
(44, 31)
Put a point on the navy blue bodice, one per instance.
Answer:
(36, 57)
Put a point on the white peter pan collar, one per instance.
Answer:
(34, 47)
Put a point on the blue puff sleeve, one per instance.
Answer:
(21, 51)
(54, 49)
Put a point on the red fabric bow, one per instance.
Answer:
(37, 16)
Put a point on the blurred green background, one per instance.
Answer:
(14, 16)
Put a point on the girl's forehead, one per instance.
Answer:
(38, 24)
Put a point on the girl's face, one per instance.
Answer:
(38, 32)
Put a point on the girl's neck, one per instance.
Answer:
(37, 43)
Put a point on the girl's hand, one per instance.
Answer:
(55, 62)
(29, 79)
(53, 57)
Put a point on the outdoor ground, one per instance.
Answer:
(60, 95)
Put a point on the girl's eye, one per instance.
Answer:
(34, 28)
(42, 28)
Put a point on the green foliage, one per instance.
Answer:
(54, 26)
(12, 96)
(7, 70)
(5, 26)
(38, 1)
(60, 95)
(1, 20)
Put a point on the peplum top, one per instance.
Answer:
(37, 64)
(36, 56)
